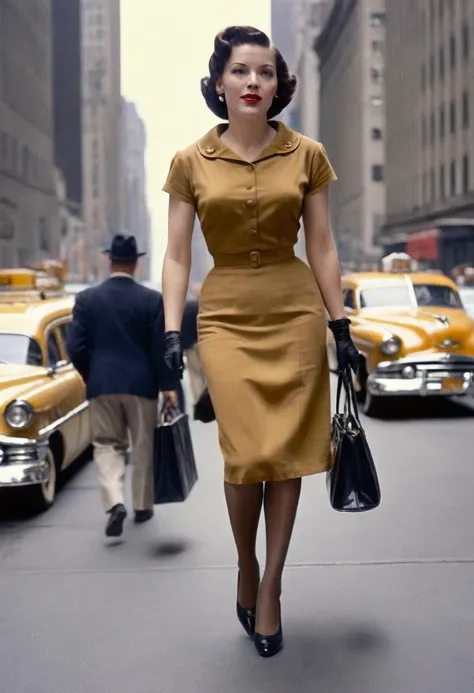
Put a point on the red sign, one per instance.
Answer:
(423, 245)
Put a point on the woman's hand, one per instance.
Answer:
(173, 353)
(170, 399)
(347, 354)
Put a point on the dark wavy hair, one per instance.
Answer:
(223, 44)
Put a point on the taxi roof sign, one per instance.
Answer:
(399, 262)
(17, 279)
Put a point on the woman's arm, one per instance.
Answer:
(321, 252)
(177, 262)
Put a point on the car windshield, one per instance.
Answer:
(20, 349)
(434, 295)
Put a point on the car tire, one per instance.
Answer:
(40, 497)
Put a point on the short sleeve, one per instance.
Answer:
(321, 172)
(178, 183)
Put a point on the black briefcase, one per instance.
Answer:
(174, 465)
(352, 481)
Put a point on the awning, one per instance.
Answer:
(423, 245)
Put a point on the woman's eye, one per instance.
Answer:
(269, 73)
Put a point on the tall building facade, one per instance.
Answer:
(430, 129)
(136, 217)
(29, 216)
(351, 51)
(101, 127)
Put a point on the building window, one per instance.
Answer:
(452, 176)
(432, 70)
(423, 132)
(377, 173)
(25, 158)
(442, 187)
(441, 8)
(465, 41)
(377, 46)
(465, 173)
(43, 234)
(452, 51)
(442, 123)
(376, 133)
(14, 160)
(376, 74)
(423, 77)
(465, 110)
(441, 63)
(377, 19)
(452, 117)
(377, 101)
(432, 128)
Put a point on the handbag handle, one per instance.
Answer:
(350, 405)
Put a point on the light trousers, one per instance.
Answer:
(113, 418)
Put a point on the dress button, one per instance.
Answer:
(250, 203)
(210, 150)
(249, 187)
(253, 231)
(250, 169)
(288, 144)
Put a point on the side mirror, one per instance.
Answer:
(52, 370)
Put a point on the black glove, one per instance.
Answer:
(347, 354)
(173, 355)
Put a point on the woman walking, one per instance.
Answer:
(262, 320)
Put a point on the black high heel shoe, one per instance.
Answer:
(269, 645)
(245, 616)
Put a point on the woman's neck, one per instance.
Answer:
(248, 135)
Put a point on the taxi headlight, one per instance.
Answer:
(18, 414)
(391, 346)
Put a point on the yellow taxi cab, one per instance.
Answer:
(414, 335)
(44, 416)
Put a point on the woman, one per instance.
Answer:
(262, 324)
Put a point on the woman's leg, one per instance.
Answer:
(244, 504)
(281, 503)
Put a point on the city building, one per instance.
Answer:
(136, 216)
(67, 101)
(295, 26)
(430, 131)
(29, 215)
(309, 19)
(102, 182)
(352, 123)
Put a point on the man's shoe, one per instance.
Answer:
(115, 524)
(143, 515)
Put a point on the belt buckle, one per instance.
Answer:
(255, 259)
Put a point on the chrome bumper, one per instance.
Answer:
(431, 375)
(23, 462)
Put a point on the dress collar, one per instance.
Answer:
(285, 141)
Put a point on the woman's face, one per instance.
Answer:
(249, 82)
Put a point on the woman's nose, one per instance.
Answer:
(253, 81)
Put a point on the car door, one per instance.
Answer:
(80, 421)
(63, 395)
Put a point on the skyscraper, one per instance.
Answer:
(101, 107)
(29, 217)
(136, 218)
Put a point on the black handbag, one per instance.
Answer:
(174, 465)
(352, 481)
(204, 409)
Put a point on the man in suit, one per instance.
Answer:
(116, 344)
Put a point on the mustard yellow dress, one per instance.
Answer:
(262, 322)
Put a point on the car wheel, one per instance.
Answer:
(40, 497)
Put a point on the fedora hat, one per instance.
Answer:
(123, 249)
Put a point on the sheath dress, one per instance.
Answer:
(261, 321)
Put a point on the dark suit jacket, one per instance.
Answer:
(116, 340)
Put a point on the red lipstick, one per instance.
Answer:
(251, 99)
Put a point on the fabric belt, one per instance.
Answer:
(254, 259)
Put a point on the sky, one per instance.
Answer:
(166, 46)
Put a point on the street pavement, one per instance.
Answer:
(376, 603)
